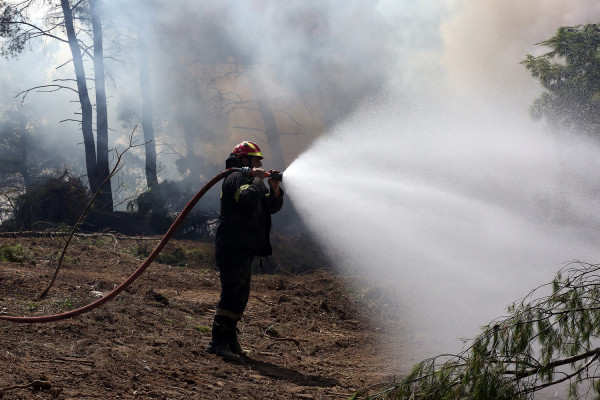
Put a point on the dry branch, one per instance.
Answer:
(115, 169)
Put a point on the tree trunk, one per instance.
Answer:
(194, 164)
(84, 99)
(104, 201)
(24, 148)
(271, 131)
(147, 111)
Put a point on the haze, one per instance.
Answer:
(410, 153)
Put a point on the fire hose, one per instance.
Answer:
(165, 239)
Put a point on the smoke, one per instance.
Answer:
(317, 60)
(442, 190)
(445, 183)
(484, 41)
(40, 107)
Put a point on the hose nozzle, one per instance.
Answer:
(276, 176)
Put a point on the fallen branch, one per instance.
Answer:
(115, 169)
(282, 339)
(37, 384)
(261, 300)
(67, 360)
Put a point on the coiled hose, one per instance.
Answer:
(165, 239)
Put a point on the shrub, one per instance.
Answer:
(163, 203)
(51, 201)
(12, 253)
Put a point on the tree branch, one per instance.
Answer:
(38, 29)
(557, 363)
(115, 169)
(56, 88)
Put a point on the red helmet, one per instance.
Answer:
(247, 149)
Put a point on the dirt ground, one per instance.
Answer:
(308, 336)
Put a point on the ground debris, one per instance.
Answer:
(306, 336)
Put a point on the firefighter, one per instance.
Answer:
(243, 233)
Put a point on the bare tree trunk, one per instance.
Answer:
(147, 111)
(24, 150)
(105, 201)
(84, 99)
(271, 131)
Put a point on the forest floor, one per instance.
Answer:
(309, 336)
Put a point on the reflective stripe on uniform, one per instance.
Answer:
(239, 192)
(229, 314)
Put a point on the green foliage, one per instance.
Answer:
(12, 253)
(203, 328)
(173, 256)
(141, 250)
(545, 340)
(64, 304)
(53, 200)
(570, 73)
(200, 253)
(14, 36)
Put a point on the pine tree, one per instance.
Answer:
(549, 337)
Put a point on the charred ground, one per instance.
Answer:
(313, 336)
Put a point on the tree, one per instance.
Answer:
(84, 98)
(215, 80)
(570, 73)
(268, 117)
(15, 149)
(147, 109)
(24, 157)
(105, 196)
(135, 38)
(17, 29)
(546, 340)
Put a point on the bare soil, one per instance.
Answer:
(310, 336)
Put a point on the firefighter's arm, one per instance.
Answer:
(276, 202)
(250, 193)
(276, 194)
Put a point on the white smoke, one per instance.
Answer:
(445, 190)
(447, 177)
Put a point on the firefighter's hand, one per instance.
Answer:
(274, 184)
(258, 173)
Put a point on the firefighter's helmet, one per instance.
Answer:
(245, 149)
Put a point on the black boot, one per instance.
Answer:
(221, 335)
(234, 343)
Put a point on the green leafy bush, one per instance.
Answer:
(12, 253)
(51, 201)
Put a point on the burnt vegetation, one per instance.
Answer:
(56, 202)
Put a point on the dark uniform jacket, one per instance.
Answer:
(245, 219)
